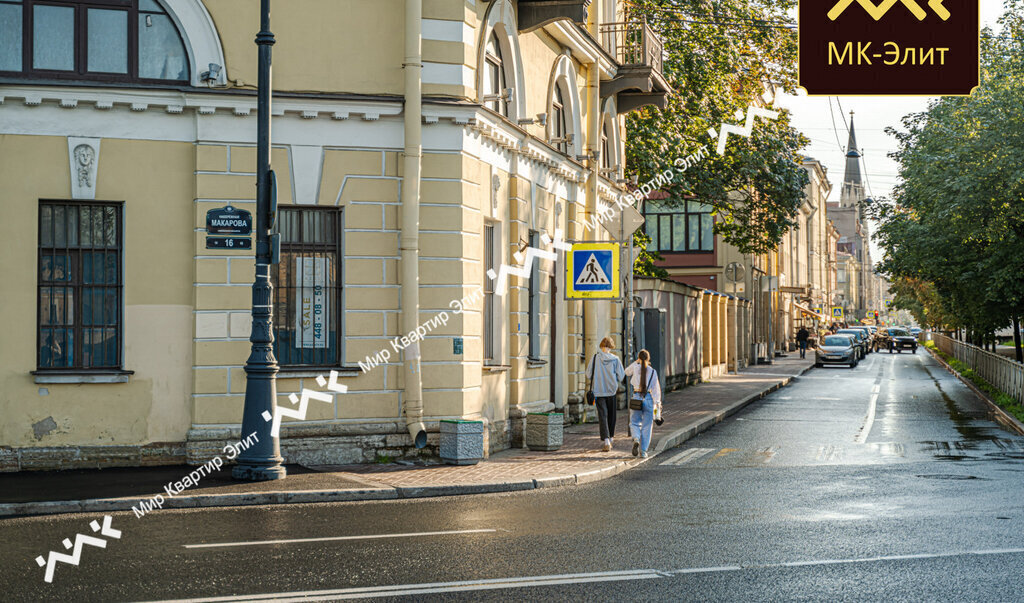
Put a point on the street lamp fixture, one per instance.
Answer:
(262, 461)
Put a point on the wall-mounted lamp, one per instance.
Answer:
(541, 119)
(506, 95)
(210, 75)
(567, 139)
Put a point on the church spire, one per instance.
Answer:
(853, 187)
(852, 175)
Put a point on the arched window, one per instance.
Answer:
(494, 77)
(559, 132)
(108, 40)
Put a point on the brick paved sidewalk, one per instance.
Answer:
(581, 451)
(686, 412)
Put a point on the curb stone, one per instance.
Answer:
(664, 443)
(1001, 415)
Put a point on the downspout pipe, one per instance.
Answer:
(594, 149)
(412, 391)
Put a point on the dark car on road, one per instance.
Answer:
(898, 339)
(872, 344)
(837, 349)
(860, 340)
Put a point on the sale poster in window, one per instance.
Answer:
(312, 303)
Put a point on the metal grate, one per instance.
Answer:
(79, 285)
(308, 287)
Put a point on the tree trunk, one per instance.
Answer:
(1019, 354)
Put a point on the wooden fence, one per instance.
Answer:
(1001, 372)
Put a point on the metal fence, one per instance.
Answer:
(1001, 372)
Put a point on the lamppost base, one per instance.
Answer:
(258, 473)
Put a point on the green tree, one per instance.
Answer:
(955, 221)
(719, 59)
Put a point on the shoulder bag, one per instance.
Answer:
(590, 382)
(637, 403)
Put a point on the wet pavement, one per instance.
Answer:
(887, 482)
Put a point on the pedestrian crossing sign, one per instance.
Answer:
(592, 271)
(837, 313)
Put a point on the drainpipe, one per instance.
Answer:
(412, 391)
(593, 147)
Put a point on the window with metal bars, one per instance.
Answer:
(308, 288)
(80, 286)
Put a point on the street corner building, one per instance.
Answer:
(416, 146)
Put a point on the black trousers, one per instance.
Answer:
(606, 415)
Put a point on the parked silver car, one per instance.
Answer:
(837, 349)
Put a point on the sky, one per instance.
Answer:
(872, 114)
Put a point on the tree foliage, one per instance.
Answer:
(719, 57)
(955, 223)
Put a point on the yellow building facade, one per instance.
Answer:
(127, 333)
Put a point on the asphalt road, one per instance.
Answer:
(886, 483)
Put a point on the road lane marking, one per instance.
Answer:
(435, 587)
(329, 538)
(877, 388)
(688, 455)
(558, 579)
(765, 455)
(721, 453)
(862, 436)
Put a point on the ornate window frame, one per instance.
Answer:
(563, 76)
(500, 20)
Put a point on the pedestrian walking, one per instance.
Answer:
(801, 340)
(605, 373)
(644, 402)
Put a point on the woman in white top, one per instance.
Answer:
(645, 398)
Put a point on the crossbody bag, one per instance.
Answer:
(636, 401)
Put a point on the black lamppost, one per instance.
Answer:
(261, 461)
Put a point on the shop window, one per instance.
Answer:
(109, 40)
(80, 287)
(308, 287)
(680, 227)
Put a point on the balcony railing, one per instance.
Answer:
(633, 43)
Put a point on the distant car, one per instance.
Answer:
(860, 340)
(837, 349)
(871, 347)
(899, 339)
(915, 331)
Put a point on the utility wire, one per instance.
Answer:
(834, 130)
